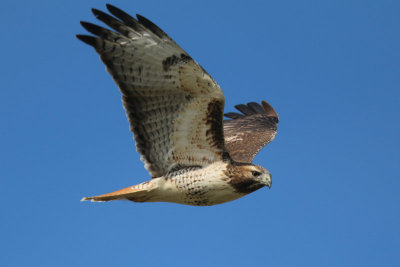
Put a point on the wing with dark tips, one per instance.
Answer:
(174, 107)
(248, 132)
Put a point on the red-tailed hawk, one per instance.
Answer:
(175, 109)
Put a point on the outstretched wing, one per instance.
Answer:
(174, 106)
(247, 133)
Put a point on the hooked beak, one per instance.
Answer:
(269, 182)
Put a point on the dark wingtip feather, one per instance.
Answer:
(151, 26)
(118, 12)
(270, 110)
(125, 17)
(104, 17)
(141, 18)
(233, 115)
(256, 107)
(97, 12)
(90, 40)
(252, 108)
(244, 109)
(92, 28)
(114, 8)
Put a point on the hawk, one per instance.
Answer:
(175, 110)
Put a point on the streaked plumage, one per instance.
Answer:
(175, 109)
(247, 133)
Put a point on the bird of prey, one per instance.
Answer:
(175, 110)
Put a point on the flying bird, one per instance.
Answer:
(175, 110)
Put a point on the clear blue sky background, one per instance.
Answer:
(330, 68)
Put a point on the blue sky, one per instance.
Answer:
(330, 68)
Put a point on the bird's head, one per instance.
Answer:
(259, 174)
(247, 178)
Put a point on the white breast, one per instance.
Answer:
(200, 187)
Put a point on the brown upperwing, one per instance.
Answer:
(248, 132)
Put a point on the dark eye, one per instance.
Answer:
(255, 174)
